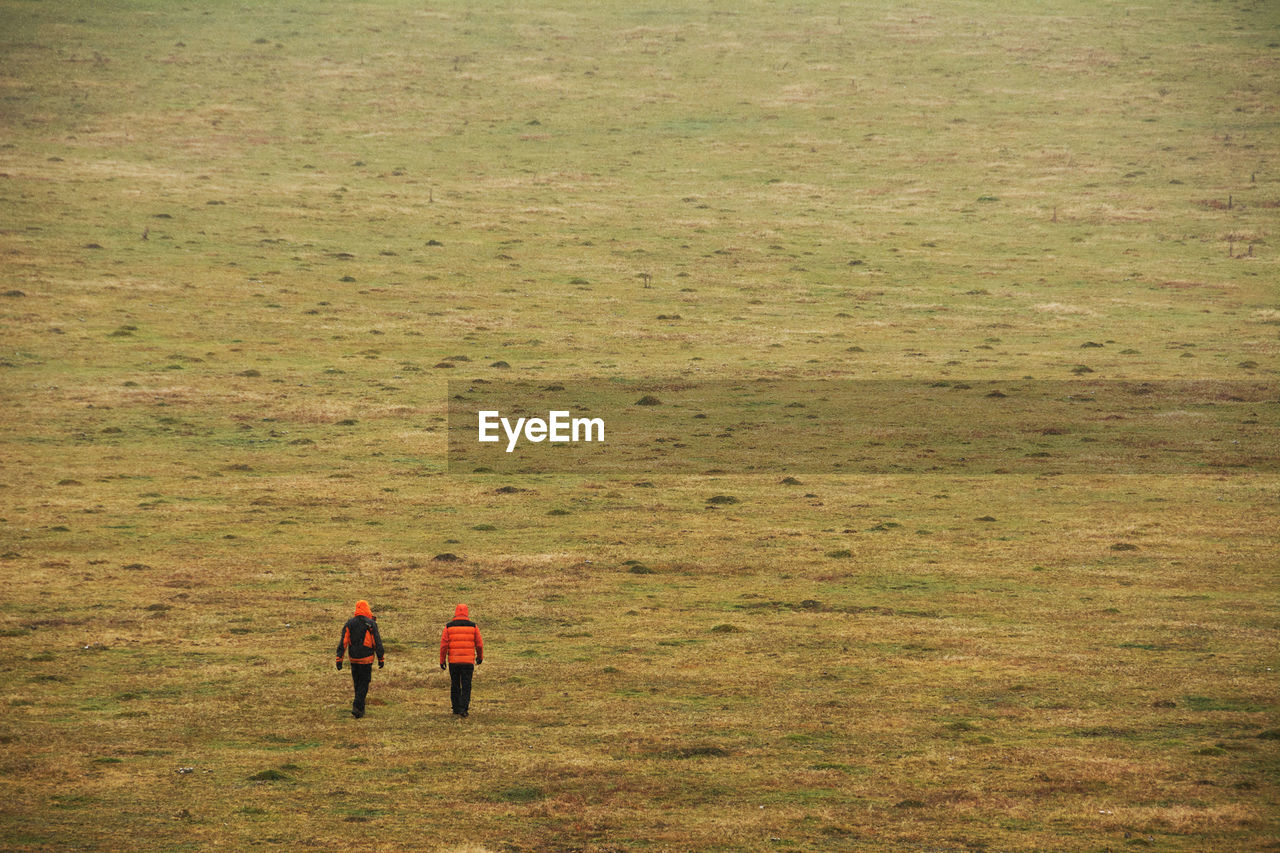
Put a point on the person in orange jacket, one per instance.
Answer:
(361, 640)
(463, 649)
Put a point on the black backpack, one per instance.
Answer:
(361, 636)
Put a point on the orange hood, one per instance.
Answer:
(460, 612)
(362, 609)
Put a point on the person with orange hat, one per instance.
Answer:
(361, 640)
(462, 648)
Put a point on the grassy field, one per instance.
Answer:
(247, 246)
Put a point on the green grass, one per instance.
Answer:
(246, 249)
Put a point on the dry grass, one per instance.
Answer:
(217, 438)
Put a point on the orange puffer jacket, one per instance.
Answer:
(461, 642)
(360, 636)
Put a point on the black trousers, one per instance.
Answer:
(361, 675)
(460, 686)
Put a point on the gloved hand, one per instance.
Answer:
(379, 664)
(442, 666)
(479, 661)
(339, 664)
